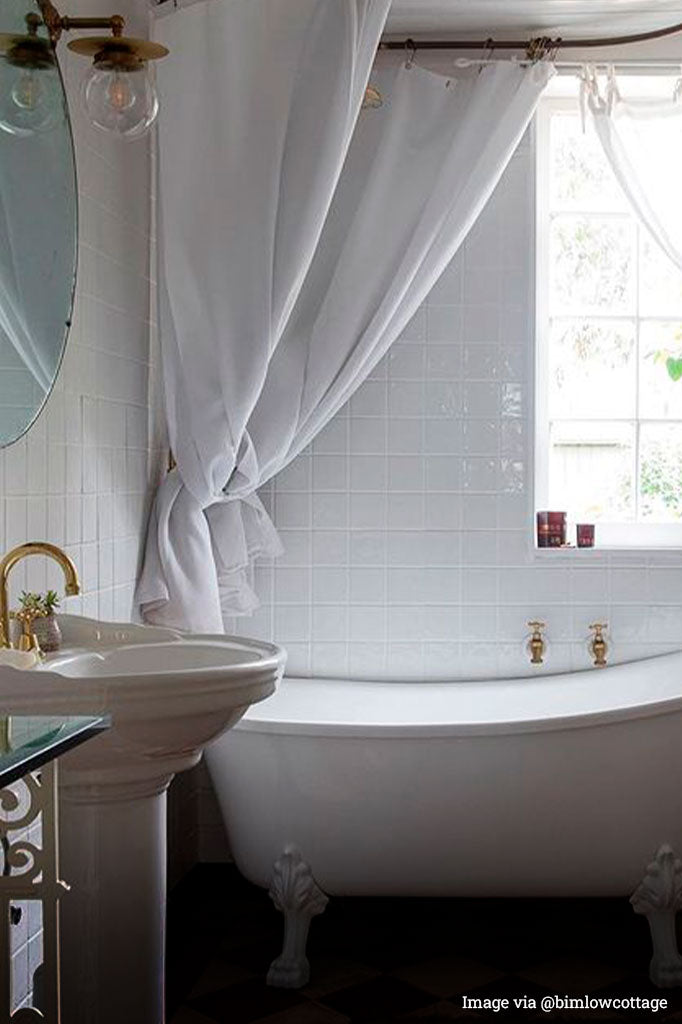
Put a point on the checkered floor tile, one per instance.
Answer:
(376, 961)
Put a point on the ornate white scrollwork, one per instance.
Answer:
(20, 807)
(658, 897)
(296, 894)
(30, 872)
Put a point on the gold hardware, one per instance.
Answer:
(71, 587)
(116, 50)
(540, 46)
(598, 644)
(372, 98)
(28, 641)
(29, 50)
(536, 644)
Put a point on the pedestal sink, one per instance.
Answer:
(168, 695)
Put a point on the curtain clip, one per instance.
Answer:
(410, 52)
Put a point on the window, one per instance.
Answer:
(609, 306)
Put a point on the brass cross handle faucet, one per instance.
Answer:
(598, 644)
(28, 641)
(71, 585)
(536, 644)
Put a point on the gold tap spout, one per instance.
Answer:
(536, 644)
(71, 587)
(598, 644)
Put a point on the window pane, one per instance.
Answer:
(591, 471)
(660, 281)
(660, 397)
(592, 369)
(580, 177)
(591, 265)
(660, 472)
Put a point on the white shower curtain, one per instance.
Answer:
(272, 315)
(630, 135)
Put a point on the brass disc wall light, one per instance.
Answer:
(118, 88)
(29, 101)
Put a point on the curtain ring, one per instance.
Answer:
(410, 52)
(539, 47)
(486, 54)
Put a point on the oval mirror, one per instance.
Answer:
(37, 217)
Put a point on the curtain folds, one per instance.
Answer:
(291, 257)
(629, 132)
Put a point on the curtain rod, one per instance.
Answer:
(535, 47)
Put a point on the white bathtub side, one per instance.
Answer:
(566, 812)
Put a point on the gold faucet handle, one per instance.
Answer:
(27, 615)
(536, 626)
(598, 628)
(28, 641)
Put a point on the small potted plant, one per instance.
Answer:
(47, 629)
(45, 625)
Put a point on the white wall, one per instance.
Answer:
(407, 524)
(80, 477)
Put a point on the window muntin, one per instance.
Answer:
(609, 418)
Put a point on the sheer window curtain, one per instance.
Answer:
(284, 279)
(629, 132)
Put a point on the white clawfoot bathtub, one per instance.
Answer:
(559, 785)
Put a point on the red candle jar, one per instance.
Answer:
(585, 535)
(551, 529)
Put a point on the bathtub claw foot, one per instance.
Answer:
(658, 897)
(296, 894)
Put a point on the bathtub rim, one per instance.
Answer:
(553, 723)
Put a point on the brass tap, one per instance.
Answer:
(536, 644)
(598, 644)
(28, 641)
(71, 586)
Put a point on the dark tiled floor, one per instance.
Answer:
(376, 961)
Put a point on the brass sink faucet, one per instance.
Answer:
(536, 644)
(598, 644)
(71, 587)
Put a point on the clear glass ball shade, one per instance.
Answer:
(30, 99)
(122, 102)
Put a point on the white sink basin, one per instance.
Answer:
(168, 694)
(155, 659)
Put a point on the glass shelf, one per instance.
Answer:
(29, 741)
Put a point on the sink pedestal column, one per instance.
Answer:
(168, 695)
(113, 845)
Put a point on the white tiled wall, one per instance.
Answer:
(407, 524)
(80, 476)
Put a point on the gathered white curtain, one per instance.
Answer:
(630, 134)
(285, 278)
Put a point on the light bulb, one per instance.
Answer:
(29, 99)
(120, 95)
(28, 91)
(120, 101)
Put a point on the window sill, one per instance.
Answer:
(622, 537)
(608, 551)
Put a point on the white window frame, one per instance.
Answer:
(609, 535)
